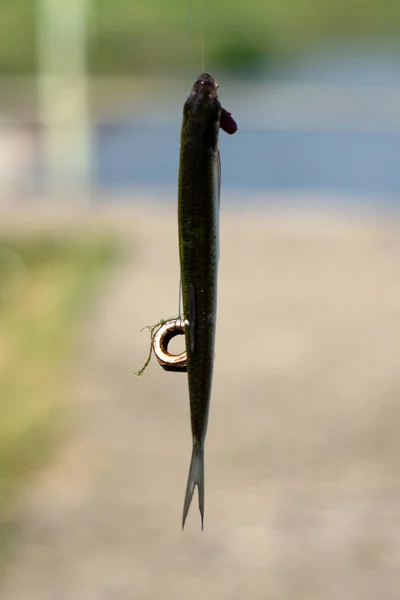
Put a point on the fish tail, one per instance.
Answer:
(196, 477)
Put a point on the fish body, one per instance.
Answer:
(198, 220)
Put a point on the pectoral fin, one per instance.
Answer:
(227, 122)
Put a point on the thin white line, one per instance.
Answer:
(189, 42)
(202, 36)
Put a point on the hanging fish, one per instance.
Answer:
(198, 219)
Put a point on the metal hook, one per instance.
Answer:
(160, 341)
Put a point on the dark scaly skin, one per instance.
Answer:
(198, 217)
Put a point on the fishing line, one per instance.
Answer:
(188, 52)
(188, 55)
(180, 299)
(202, 36)
(189, 43)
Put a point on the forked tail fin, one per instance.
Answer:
(196, 477)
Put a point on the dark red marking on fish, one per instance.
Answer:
(227, 123)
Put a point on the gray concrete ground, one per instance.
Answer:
(302, 458)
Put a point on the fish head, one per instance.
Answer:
(205, 86)
(203, 98)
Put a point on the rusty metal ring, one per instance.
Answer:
(160, 341)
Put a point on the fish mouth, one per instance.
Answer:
(205, 87)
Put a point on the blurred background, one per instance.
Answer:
(302, 497)
(92, 94)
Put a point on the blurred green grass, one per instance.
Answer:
(46, 285)
(151, 36)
